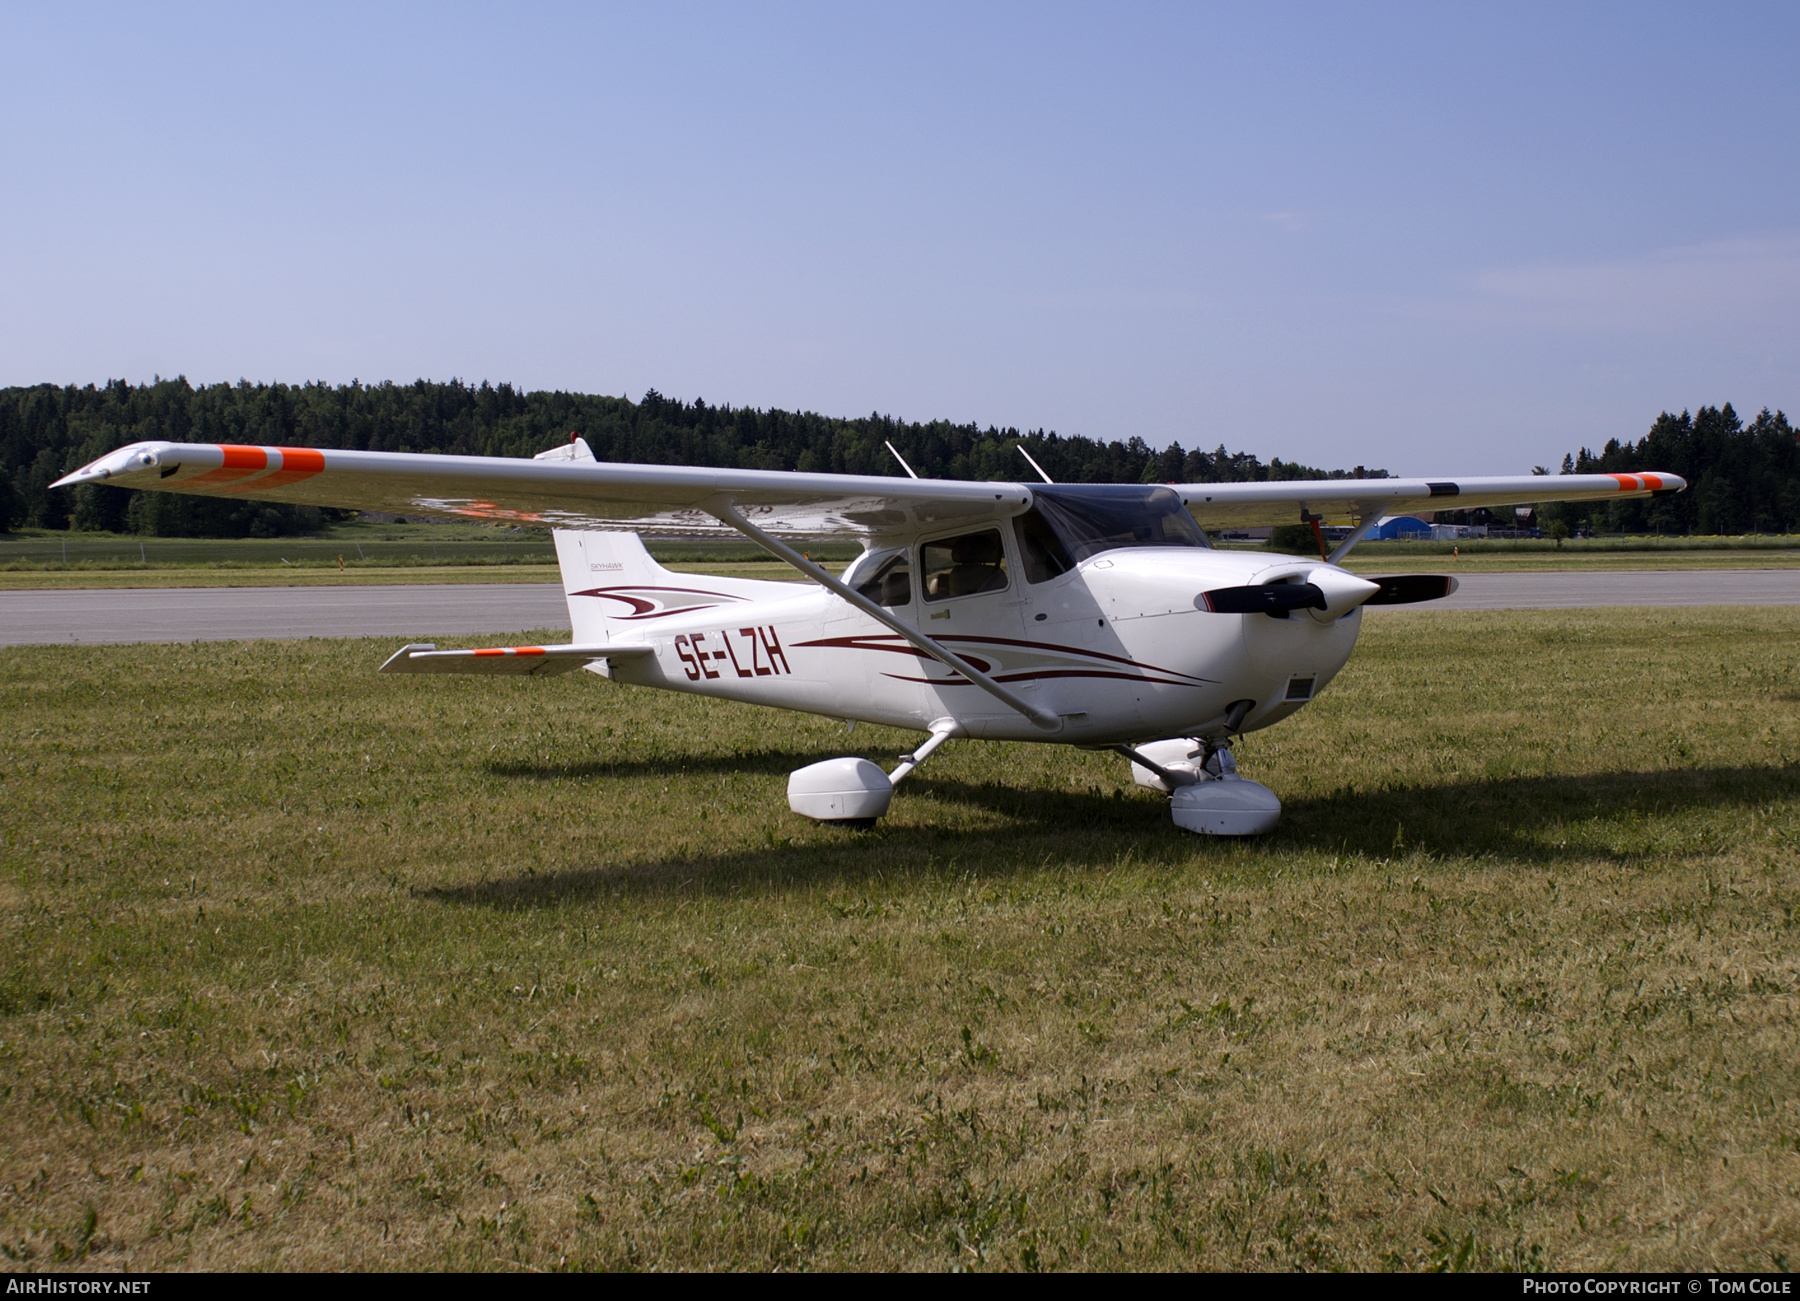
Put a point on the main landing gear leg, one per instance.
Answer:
(909, 762)
(854, 792)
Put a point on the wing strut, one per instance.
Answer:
(1371, 522)
(727, 514)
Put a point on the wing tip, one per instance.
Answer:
(396, 662)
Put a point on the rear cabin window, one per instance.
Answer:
(963, 566)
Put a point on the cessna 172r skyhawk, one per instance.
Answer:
(1082, 614)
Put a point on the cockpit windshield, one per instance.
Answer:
(1071, 522)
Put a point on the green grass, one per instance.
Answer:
(1645, 546)
(355, 552)
(306, 967)
(361, 544)
(1391, 562)
(1525, 555)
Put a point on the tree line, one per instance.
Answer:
(1741, 478)
(1745, 478)
(46, 431)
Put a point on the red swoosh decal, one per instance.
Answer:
(1038, 676)
(892, 642)
(642, 609)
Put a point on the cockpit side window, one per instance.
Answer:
(1041, 550)
(963, 566)
(891, 583)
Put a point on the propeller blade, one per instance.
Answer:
(1267, 598)
(1409, 589)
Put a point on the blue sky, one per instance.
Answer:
(1435, 238)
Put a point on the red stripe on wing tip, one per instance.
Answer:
(296, 463)
(302, 458)
(239, 461)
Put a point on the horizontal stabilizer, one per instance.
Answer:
(1268, 598)
(513, 661)
(1409, 589)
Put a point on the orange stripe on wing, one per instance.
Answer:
(297, 463)
(240, 463)
(1628, 482)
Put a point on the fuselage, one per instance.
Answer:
(1119, 647)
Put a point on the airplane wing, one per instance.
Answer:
(563, 492)
(1225, 505)
(576, 492)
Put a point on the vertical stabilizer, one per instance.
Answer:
(610, 582)
(576, 449)
(617, 592)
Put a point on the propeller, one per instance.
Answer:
(1268, 598)
(1331, 590)
(1409, 589)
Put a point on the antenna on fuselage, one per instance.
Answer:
(1034, 465)
(902, 460)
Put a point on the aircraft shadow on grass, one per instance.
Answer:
(1540, 821)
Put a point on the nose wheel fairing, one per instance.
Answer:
(1228, 805)
(1206, 793)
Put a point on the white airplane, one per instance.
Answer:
(1093, 615)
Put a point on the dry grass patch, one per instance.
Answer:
(306, 967)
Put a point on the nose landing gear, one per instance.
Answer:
(1206, 794)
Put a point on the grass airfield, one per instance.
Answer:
(308, 968)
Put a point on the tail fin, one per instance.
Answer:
(576, 449)
(608, 579)
(615, 590)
